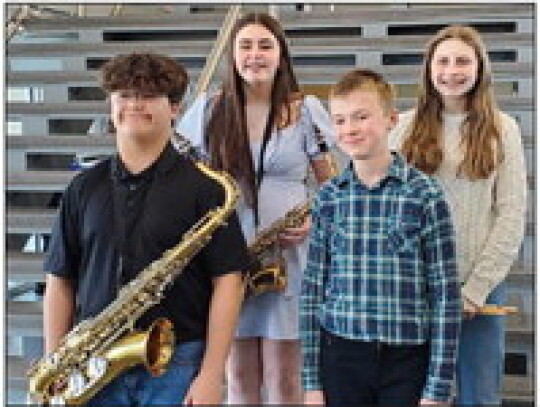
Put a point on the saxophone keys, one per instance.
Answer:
(52, 359)
(77, 383)
(168, 279)
(96, 367)
(57, 401)
(34, 400)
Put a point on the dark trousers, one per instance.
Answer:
(366, 374)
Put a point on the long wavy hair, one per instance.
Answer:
(226, 132)
(481, 138)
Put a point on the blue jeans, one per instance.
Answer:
(481, 357)
(137, 387)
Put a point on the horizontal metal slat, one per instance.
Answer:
(58, 109)
(358, 14)
(61, 143)
(303, 73)
(39, 180)
(351, 45)
(29, 221)
(101, 108)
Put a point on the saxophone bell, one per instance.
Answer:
(152, 348)
(269, 278)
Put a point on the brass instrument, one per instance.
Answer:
(98, 349)
(272, 275)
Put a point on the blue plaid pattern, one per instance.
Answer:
(382, 267)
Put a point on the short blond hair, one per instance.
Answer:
(368, 80)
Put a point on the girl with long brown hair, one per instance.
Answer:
(458, 134)
(260, 129)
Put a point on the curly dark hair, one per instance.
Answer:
(145, 72)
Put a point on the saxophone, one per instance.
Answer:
(267, 276)
(98, 349)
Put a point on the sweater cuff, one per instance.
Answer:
(476, 289)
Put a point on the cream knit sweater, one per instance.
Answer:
(488, 214)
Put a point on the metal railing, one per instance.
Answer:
(26, 12)
(16, 23)
(217, 50)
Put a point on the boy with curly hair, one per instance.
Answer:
(124, 213)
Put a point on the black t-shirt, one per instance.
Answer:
(159, 206)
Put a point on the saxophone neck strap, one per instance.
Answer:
(259, 175)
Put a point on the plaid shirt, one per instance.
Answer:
(382, 267)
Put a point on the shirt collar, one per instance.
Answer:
(163, 164)
(397, 170)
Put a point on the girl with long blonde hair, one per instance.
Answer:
(457, 134)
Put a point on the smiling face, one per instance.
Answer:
(256, 54)
(144, 116)
(361, 124)
(454, 69)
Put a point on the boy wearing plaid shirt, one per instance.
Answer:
(380, 307)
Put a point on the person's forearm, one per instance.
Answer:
(443, 293)
(311, 300)
(224, 309)
(310, 338)
(445, 324)
(58, 311)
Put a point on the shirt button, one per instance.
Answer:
(132, 187)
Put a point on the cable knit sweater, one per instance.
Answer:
(488, 214)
